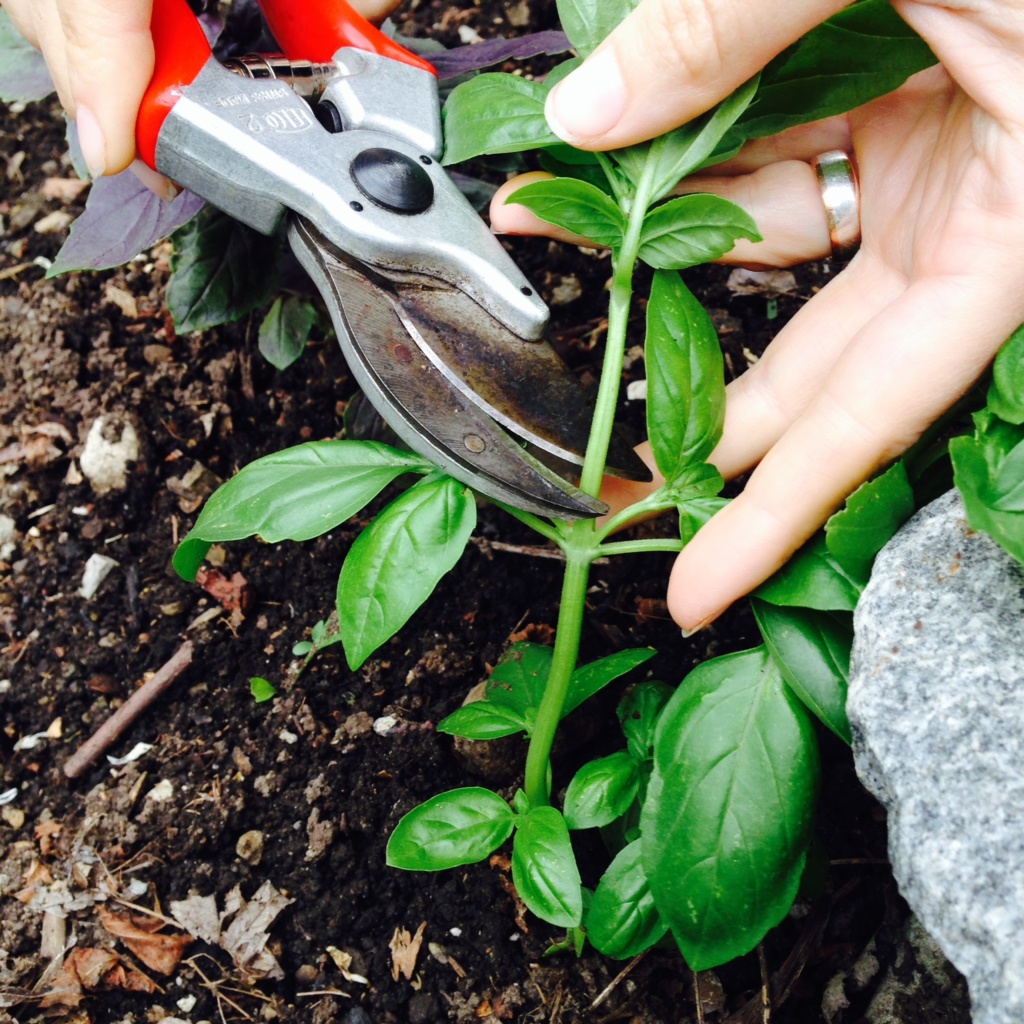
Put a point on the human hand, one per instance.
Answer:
(100, 56)
(906, 327)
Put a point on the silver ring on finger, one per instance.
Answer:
(840, 195)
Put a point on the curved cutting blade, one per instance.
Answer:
(420, 402)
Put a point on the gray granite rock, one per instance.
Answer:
(937, 707)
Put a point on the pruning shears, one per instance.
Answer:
(340, 138)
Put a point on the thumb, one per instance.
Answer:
(671, 60)
(109, 64)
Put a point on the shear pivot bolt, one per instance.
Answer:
(474, 443)
(392, 180)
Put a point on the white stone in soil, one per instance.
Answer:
(937, 708)
(105, 463)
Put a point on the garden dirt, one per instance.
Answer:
(272, 817)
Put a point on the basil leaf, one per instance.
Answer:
(685, 377)
(285, 330)
(601, 791)
(812, 651)
(482, 720)
(693, 229)
(544, 868)
(684, 150)
(295, 494)
(449, 830)
(1006, 393)
(729, 808)
(588, 22)
(519, 679)
(623, 920)
(566, 162)
(859, 54)
(122, 218)
(220, 271)
(576, 206)
(638, 714)
(696, 510)
(813, 578)
(873, 513)
(589, 679)
(24, 76)
(396, 562)
(495, 113)
(989, 473)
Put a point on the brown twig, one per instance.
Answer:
(617, 980)
(107, 734)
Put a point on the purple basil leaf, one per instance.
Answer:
(494, 51)
(212, 26)
(122, 218)
(23, 73)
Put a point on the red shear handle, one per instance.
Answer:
(181, 51)
(313, 31)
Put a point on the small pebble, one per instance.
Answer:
(250, 847)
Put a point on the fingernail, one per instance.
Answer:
(687, 633)
(589, 102)
(90, 138)
(160, 186)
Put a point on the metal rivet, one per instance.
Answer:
(403, 353)
(526, 291)
(426, 160)
(358, 207)
(474, 443)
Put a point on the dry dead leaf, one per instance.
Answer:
(405, 949)
(343, 961)
(86, 970)
(234, 595)
(160, 952)
(37, 876)
(45, 833)
(199, 917)
(245, 937)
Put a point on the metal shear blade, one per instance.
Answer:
(419, 400)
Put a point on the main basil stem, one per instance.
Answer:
(579, 540)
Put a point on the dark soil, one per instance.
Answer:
(315, 778)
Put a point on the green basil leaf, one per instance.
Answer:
(812, 650)
(872, 514)
(576, 206)
(813, 578)
(589, 679)
(1006, 393)
(601, 791)
(685, 377)
(623, 920)
(696, 510)
(495, 113)
(482, 720)
(988, 474)
(285, 330)
(638, 714)
(587, 22)
(565, 162)
(220, 271)
(859, 54)
(519, 679)
(693, 229)
(730, 806)
(449, 830)
(544, 868)
(396, 562)
(687, 148)
(295, 494)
